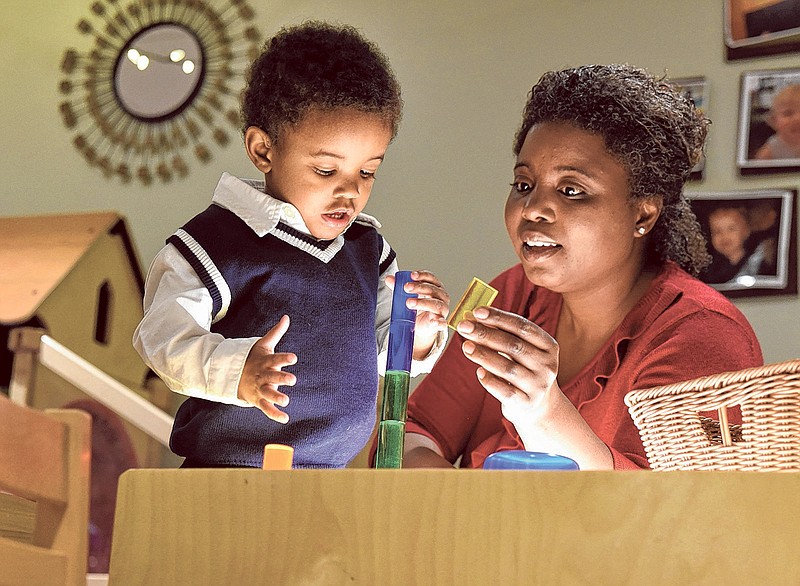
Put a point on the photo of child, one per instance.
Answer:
(769, 125)
(748, 236)
(784, 118)
(735, 256)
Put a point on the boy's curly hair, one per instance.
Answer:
(318, 65)
(649, 127)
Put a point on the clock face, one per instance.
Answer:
(160, 85)
(159, 73)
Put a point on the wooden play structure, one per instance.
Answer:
(76, 279)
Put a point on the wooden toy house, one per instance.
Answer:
(76, 276)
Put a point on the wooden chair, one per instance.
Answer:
(44, 495)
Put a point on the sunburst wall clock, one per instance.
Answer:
(158, 88)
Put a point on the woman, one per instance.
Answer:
(603, 300)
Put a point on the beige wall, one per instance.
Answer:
(465, 68)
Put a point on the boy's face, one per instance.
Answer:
(784, 116)
(325, 166)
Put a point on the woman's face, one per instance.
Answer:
(568, 214)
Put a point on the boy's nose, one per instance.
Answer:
(348, 189)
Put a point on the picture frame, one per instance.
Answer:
(752, 238)
(768, 139)
(754, 28)
(696, 89)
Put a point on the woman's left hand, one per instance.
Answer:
(517, 363)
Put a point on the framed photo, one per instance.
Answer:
(752, 238)
(695, 88)
(769, 121)
(761, 27)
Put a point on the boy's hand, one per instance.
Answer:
(432, 305)
(262, 374)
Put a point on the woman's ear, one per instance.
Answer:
(649, 211)
(258, 145)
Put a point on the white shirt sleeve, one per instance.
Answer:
(174, 337)
(383, 315)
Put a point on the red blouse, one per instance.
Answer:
(680, 329)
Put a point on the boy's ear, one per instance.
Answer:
(649, 211)
(258, 145)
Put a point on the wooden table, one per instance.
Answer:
(455, 527)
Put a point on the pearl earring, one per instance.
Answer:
(641, 230)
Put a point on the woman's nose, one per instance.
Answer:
(538, 206)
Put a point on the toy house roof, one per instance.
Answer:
(37, 252)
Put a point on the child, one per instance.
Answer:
(784, 119)
(732, 254)
(292, 256)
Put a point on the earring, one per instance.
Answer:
(641, 230)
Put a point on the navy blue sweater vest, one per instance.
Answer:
(332, 310)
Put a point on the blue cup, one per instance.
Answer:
(524, 460)
(401, 326)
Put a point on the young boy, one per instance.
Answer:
(733, 254)
(784, 119)
(292, 256)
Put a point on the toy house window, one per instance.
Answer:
(104, 305)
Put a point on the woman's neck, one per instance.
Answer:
(588, 319)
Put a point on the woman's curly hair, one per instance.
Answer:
(318, 65)
(649, 127)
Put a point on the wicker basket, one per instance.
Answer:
(677, 437)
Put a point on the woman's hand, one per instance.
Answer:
(262, 374)
(517, 363)
(432, 305)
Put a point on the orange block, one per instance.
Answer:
(277, 457)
